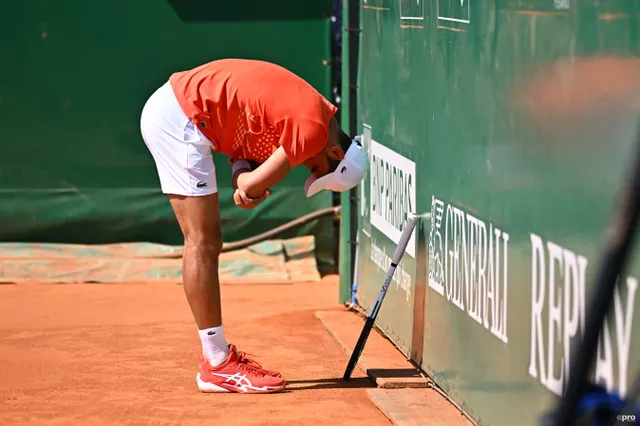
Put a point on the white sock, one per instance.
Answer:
(214, 345)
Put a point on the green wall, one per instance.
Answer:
(74, 76)
(510, 122)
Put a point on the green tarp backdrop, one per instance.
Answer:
(511, 123)
(74, 76)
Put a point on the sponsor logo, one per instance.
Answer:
(558, 319)
(393, 193)
(468, 265)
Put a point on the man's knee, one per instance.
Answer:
(199, 220)
(210, 242)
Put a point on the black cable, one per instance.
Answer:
(236, 245)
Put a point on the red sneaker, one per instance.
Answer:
(237, 374)
(244, 357)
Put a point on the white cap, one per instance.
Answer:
(348, 174)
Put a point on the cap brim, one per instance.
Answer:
(313, 185)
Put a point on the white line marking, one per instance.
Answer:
(463, 21)
(364, 231)
(454, 20)
(415, 18)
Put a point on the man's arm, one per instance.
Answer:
(255, 183)
(237, 171)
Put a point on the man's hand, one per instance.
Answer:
(243, 201)
(257, 182)
(240, 197)
(252, 187)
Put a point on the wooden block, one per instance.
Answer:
(380, 359)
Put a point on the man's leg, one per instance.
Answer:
(187, 175)
(222, 369)
(199, 219)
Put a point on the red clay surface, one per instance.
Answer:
(127, 354)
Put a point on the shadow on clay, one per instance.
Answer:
(333, 383)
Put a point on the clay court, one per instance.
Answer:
(127, 354)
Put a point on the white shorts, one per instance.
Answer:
(183, 156)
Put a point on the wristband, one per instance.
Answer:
(240, 165)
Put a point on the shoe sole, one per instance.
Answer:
(206, 387)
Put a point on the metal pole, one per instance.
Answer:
(354, 44)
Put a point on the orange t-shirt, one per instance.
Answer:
(249, 108)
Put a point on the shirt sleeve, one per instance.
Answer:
(301, 139)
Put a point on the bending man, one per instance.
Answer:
(266, 120)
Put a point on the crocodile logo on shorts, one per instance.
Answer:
(201, 184)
